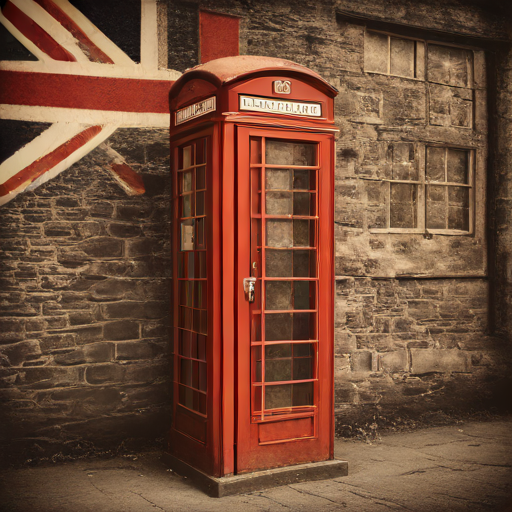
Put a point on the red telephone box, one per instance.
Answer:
(252, 160)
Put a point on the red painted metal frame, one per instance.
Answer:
(233, 445)
(252, 453)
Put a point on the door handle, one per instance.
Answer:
(249, 288)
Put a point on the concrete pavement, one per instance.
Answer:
(465, 467)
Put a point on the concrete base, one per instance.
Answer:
(249, 482)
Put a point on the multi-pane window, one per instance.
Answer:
(425, 187)
(394, 55)
(418, 186)
(192, 279)
(284, 241)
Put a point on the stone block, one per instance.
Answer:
(396, 361)
(140, 247)
(88, 334)
(47, 377)
(137, 350)
(115, 289)
(155, 329)
(56, 322)
(102, 209)
(12, 329)
(56, 342)
(34, 324)
(103, 373)
(81, 318)
(122, 230)
(17, 353)
(102, 247)
(58, 229)
(361, 361)
(133, 213)
(439, 360)
(121, 330)
(93, 353)
(131, 309)
(344, 342)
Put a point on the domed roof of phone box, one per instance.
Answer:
(236, 69)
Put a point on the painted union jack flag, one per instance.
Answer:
(83, 84)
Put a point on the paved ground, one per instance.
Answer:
(467, 467)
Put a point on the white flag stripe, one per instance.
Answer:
(43, 144)
(96, 36)
(58, 115)
(63, 164)
(51, 26)
(149, 35)
(27, 43)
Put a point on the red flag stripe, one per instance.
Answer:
(36, 34)
(132, 182)
(84, 92)
(47, 162)
(93, 53)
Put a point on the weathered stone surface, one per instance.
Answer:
(17, 353)
(439, 360)
(122, 330)
(93, 353)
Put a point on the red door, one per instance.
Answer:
(285, 336)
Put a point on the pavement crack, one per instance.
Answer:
(100, 490)
(271, 499)
(379, 501)
(149, 501)
(317, 495)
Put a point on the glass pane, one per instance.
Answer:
(186, 397)
(303, 326)
(304, 263)
(375, 52)
(278, 295)
(278, 179)
(200, 264)
(186, 181)
(279, 263)
(303, 295)
(278, 362)
(202, 377)
(302, 368)
(200, 204)
(304, 180)
(278, 327)
(404, 165)
(201, 347)
(436, 207)
(279, 203)
(435, 164)
(199, 238)
(187, 157)
(403, 206)
(449, 65)
(303, 233)
(187, 235)
(186, 205)
(458, 208)
(290, 153)
(303, 394)
(303, 203)
(457, 167)
(279, 233)
(402, 57)
(277, 397)
(193, 345)
(256, 364)
(190, 265)
(200, 178)
(186, 371)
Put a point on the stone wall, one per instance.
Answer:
(85, 305)
(421, 318)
